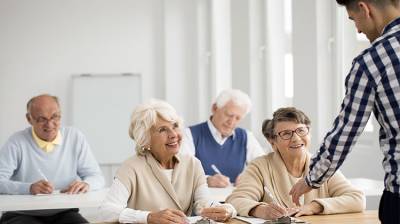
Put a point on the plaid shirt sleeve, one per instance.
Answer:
(355, 111)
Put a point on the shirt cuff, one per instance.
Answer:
(133, 216)
(24, 188)
(230, 209)
(310, 184)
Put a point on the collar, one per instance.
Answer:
(45, 145)
(216, 134)
(393, 25)
(168, 185)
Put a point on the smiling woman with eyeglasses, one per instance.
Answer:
(263, 190)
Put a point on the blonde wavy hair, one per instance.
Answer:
(144, 117)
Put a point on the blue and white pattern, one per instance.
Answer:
(372, 86)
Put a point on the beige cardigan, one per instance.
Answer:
(336, 195)
(150, 190)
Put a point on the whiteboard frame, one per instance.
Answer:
(123, 146)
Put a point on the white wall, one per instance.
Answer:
(44, 42)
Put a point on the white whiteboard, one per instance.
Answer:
(101, 109)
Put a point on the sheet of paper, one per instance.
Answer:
(194, 219)
(54, 192)
(251, 220)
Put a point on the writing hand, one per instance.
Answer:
(216, 213)
(268, 211)
(218, 180)
(167, 216)
(41, 187)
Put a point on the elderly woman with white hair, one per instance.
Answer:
(158, 185)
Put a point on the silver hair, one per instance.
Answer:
(145, 116)
(237, 96)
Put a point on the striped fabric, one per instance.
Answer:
(372, 86)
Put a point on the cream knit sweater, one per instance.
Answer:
(336, 195)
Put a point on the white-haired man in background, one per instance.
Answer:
(221, 146)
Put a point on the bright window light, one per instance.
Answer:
(362, 37)
(289, 75)
(288, 16)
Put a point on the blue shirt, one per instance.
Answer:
(372, 86)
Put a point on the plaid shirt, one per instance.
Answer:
(373, 85)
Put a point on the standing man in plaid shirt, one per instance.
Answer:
(372, 86)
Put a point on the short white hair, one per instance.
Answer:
(237, 96)
(145, 116)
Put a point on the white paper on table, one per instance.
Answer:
(54, 192)
(251, 220)
(194, 219)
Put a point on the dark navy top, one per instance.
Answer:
(229, 158)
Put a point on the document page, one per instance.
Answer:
(54, 192)
(196, 219)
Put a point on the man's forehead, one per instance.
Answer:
(45, 109)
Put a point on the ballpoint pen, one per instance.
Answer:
(216, 170)
(270, 195)
(43, 176)
(274, 201)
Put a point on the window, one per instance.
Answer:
(352, 43)
(288, 60)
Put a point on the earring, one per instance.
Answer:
(144, 148)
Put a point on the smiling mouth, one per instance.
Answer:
(172, 144)
(297, 146)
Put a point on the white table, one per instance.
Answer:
(53, 201)
(220, 194)
(371, 188)
(91, 199)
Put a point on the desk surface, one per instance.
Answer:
(89, 200)
(366, 217)
(31, 202)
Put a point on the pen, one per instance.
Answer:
(273, 198)
(214, 167)
(270, 195)
(43, 176)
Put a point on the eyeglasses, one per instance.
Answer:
(42, 120)
(165, 130)
(288, 134)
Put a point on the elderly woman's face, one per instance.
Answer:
(292, 138)
(166, 139)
